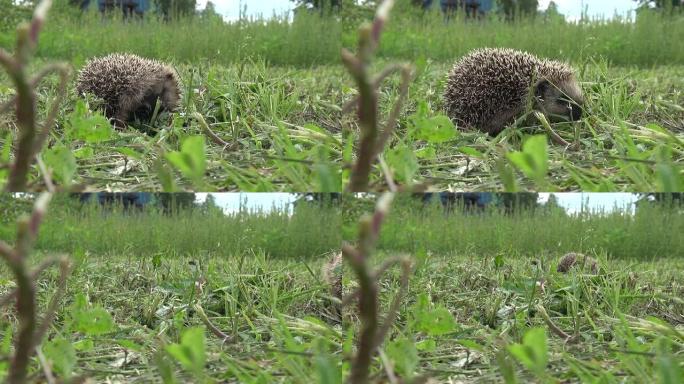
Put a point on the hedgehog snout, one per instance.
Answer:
(575, 111)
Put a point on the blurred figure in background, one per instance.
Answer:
(472, 8)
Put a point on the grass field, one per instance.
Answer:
(141, 282)
(486, 304)
(467, 319)
(273, 92)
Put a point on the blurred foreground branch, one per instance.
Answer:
(31, 134)
(30, 329)
(373, 332)
(373, 139)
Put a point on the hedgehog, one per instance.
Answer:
(572, 259)
(129, 86)
(492, 87)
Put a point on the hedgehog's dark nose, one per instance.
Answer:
(575, 112)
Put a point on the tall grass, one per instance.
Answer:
(308, 40)
(650, 40)
(653, 232)
(308, 232)
(312, 39)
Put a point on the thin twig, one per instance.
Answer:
(396, 110)
(213, 328)
(45, 264)
(64, 271)
(553, 327)
(46, 175)
(207, 131)
(388, 175)
(63, 71)
(47, 371)
(394, 308)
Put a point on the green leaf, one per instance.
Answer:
(426, 153)
(427, 345)
(498, 261)
(190, 353)
(84, 153)
(62, 354)
(156, 260)
(403, 162)
(83, 345)
(533, 161)
(91, 128)
(62, 162)
(437, 129)
(532, 353)
(327, 369)
(127, 344)
(164, 367)
(438, 321)
(470, 152)
(506, 367)
(191, 161)
(129, 152)
(507, 176)
(404, 354)
(669, 371)
(94, 321)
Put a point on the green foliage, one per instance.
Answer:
(308, 231)
(62, 355)
(533, 160)
(527, 229)
(191, 160)
(62, 162)
(432, 321)
(404, 355)
(490, 305)
(532, 352)
(433, 129)
(191, 351)
(90, 320)
(87, 126)
(13, 14)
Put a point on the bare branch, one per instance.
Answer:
(396, 110)
(396, 303)
(64, 271)
(63, 71)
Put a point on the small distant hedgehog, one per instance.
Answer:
(572, 259)
(491, 87)
(129, 85)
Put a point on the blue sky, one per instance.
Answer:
(230, 202)
(230, 9)
(572, 202)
